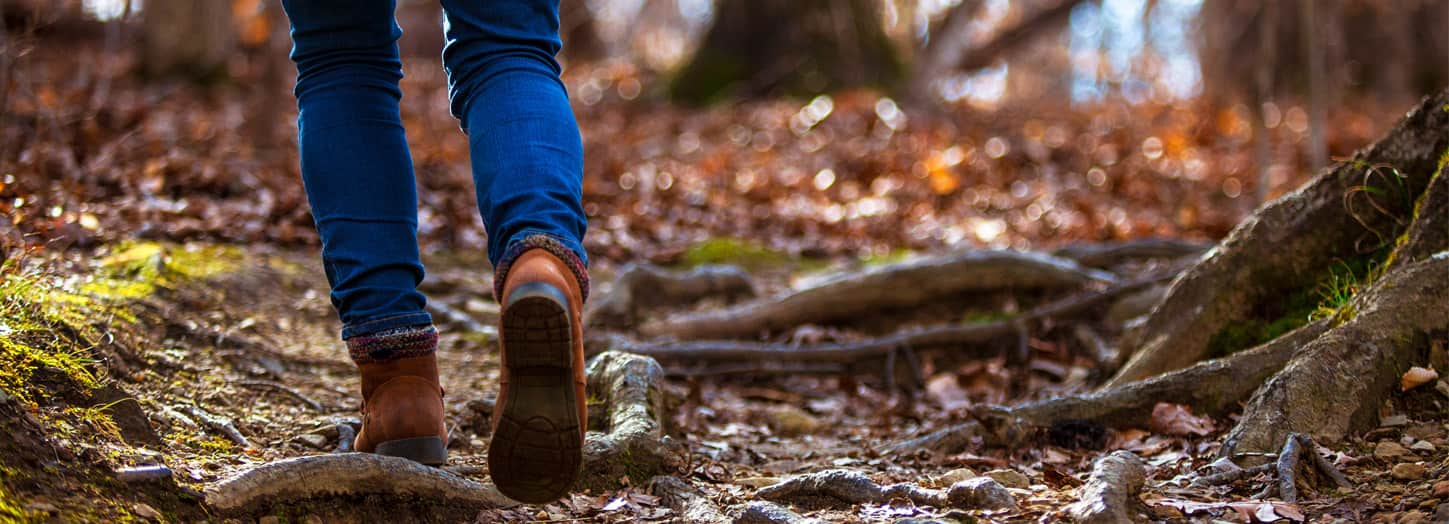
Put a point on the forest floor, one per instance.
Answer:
(249, 338)
(210, 347)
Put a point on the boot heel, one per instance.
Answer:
(423, 450)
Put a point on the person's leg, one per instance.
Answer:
(526, 151)
(528, 167)
(358, 176)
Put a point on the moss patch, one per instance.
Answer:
(732, 251)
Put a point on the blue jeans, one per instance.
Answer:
(504, 87)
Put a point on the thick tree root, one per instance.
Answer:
(1285, 246)
(629, 444)
(1429, 232)
(1209, 387)
(963, 339)
(1107, 254)
(1337, 382)
(347, 474)
(688, 503)
(1110, 494)
(641, 286)
(845, 488)
(898, 285)
(762, 512)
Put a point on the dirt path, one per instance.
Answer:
(241, 368)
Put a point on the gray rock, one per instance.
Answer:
(761, 512)
(980, 493)
(831, 488)
(1010, 478)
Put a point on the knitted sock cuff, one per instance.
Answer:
(546, 243)
(393, 344)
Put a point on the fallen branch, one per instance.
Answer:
(1209, 387)
(348, 474)
(1110, 494)
(641, 286)
(217, 424)
(1229, 477)
(898, 285)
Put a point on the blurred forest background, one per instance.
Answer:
(816, 128)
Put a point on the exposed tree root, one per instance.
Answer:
(963, 339)
(218, 424)
(1429, 231)
(688, 503)
(642, 286)
(347, 474)
(1284, 246)
(273, 386)
(631, 443)
(1208, 387)
(1336, 383)
(1110, 494)
(897, 285)
(1107, 254)
(844, 488)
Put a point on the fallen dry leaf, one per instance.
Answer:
(1177, 419)
(1417, 376)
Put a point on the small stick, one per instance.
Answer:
(143, 473)
(218, 424)
(267, 384)
(1311, 448)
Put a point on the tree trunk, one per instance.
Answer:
(188, 38)
(760, 48)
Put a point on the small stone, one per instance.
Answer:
(980, 493)
(312, 519)
(1394, 421)
(1387, 449)
(1441, 513)
(1423, 445)
(1442, 386)
(1409, 471)
(314, 440)
(1441, 489)
(144, 510)
(270, 519)
(951, 477)
(1010, 478)
(761, 512)
(791, 421)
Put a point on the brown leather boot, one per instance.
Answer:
(539, 418)
(402, 410)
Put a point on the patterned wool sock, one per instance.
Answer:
(393, 344)
(546, 243)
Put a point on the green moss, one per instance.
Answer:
(894, 256)
(11, 509)
(732, 251)
(984, 316)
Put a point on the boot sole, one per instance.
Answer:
(428, 451)
(536, 451)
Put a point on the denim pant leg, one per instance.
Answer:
(526, 151)
(355, 162)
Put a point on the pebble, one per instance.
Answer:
(144, 510)
(1423, 445)
(314, 440)
(790, 421)
(1441, 513)
(761, 512)
(1387, 449)
(980, 493)
(270, 519)
(1441, 489)
(1409, 471)
(951, 477)
(1010, 478)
